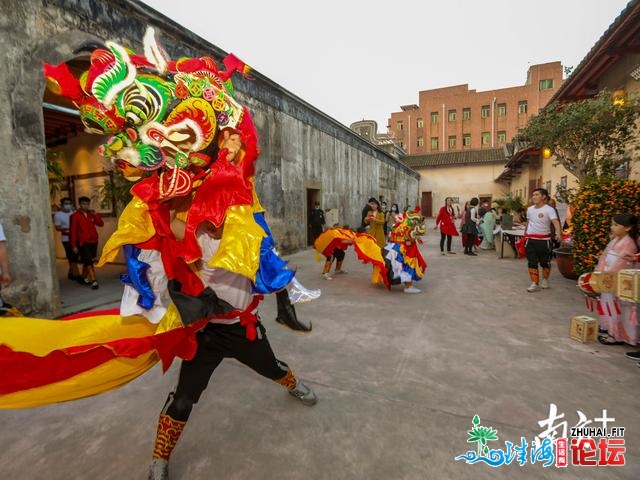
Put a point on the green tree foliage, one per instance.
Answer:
(590, 138)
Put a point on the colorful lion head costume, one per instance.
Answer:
(176, 130)
(163, 116)
(409, 227)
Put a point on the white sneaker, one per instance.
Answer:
(533, 288)
(338, 272)
(544, 283)
(412, 289)
(326, 276)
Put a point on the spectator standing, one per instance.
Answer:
(5, 276)
(375, 219)
(617, 317)
(538, 242)
(470, 226)
(62, 222)
(391, 217)
(365, 213)
(446, 221)
(385, 210)
(487, 226)
(84, 240)
(6, 310)
(316, 220)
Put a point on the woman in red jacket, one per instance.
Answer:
(445, 219)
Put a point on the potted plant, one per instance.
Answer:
(564, 259)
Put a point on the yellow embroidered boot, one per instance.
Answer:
(544, 283)
(167, 436)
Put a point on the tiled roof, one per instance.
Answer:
(619, 39)
(456, 158)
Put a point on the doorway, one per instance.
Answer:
(426, 205)
(313, 195)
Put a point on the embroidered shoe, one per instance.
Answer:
(544, 284)
(304, 394)
(533, 288)
(159, 469)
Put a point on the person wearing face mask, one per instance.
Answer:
(62, 222)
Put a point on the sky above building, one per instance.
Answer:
(357, 60)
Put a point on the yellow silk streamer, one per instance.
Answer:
(102, 378)
(239, 250)
(134, 226)
(41, 336)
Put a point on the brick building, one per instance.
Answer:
(456, 118)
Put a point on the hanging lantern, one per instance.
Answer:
(546, 153)
(618, 97)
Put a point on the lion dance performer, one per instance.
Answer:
(198, 251)
(403, 261)
(400, 261)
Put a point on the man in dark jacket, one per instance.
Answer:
(316, 220)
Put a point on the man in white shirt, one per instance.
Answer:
(62, 222)
(540, 217)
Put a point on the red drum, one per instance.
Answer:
(589, 283)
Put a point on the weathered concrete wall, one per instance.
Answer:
(301, 147)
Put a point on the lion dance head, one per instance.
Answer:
(409, 227)
(163, 117)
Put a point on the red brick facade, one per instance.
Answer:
(456, 118)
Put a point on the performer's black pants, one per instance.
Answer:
(338, 254)
(216, 342)
(538, 252)
(442, 237)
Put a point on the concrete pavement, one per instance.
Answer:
(399, 378)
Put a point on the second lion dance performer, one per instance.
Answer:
(403, 261)
(198, 252)
(399, 262)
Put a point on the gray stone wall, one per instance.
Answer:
(301, 146)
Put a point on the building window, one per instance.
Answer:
(419, 123)
(434, 117)
(401, 143)
(434, 143)
(548, 186)
(452, 142)
(486, 138)
(400, 125)
(522, 106)
(419, 142)
(452, 115)
(466, 140)
(502, 137)
(563, 182)
(546, 84)
(502, 109)
(466, 114)
(485, 111)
